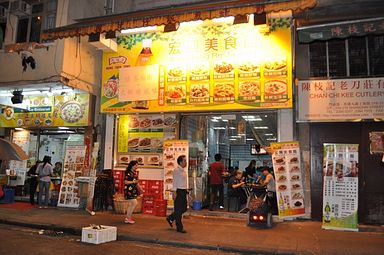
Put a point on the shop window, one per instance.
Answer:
(337, 58)
(357, 53)
(352, 57)
(376, 55)
(318, 59)
(43, 16)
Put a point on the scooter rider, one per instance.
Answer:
(270, 184)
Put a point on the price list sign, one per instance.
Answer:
(340, 186)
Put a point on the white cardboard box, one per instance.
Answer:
(97, 236)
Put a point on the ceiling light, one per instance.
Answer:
(63, 128)
(219, 128)
(250, 139)
(261, 127)
(271, 139)
(269, 134)
(139, 30)
(232, 128)
(215, 120)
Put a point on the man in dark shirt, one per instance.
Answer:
(235, 187)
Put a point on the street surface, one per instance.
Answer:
(18, 240)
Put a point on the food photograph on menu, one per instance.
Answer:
(199, 93)
(199, 71)
(224, 91)
(249, 90)
(275, 90)
(277, 67)
(176, 73)
(223, 70)
(248, 69)
(177, 93)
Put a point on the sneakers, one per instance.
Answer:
(182, 231)
(221, 207)
(129, 221)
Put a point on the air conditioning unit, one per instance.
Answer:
(20, 8)
(3, 13)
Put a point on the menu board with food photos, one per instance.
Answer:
(204, 67)
(141, 137)
(172, 150)
(73, 167)
(289, 179)
(340, 186)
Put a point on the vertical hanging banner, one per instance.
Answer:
(340, 186)
(92, 178)
(73, 167)
(172, 150)
(289, 179)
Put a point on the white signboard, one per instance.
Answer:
(139, 83)
(341, 99)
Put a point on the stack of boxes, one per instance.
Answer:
(118, 177)
(153, 201)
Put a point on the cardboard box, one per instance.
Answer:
(97, 236)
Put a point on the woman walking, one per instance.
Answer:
(44, 171)
(131, 189)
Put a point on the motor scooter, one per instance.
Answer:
(259, 209)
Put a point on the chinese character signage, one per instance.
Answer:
(205, 67)
(46, 111)
(289, 179)
(340, 186)
(342, 30)
(341, 99)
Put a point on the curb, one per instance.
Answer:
(122, 237)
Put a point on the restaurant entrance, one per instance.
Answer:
(238, 137)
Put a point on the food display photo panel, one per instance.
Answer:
(199, 71)
(248, 69)
(73, 167)
(199, 93)
(275, 90)
(275, 67)
(176, 93)
(223, 69)
(289, 181)
(176, 72)
(224, 91)
(249, 90)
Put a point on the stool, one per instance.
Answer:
(237, 203)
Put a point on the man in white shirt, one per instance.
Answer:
(180, 191)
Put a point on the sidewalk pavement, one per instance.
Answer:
(207, 232)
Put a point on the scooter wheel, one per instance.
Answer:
(269, 220)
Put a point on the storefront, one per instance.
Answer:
(340, 105)
(220, 87)
(47, 126)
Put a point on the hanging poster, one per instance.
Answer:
(376, 142)
(289, 179)
(172, 150)
(340, 186)
(73, 167)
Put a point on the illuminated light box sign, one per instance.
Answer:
(200, 67)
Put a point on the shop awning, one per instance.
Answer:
(341, 30)
(164, 16)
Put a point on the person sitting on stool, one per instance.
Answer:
(235, 187)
